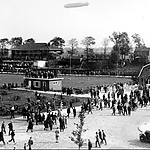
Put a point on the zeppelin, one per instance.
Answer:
(73, 5)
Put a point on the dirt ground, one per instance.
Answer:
(121, 131)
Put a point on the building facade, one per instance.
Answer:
(43, 84)
(144, 75)
(34, 51)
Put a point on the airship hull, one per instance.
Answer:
(73, 5)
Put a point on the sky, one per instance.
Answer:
(43, 20)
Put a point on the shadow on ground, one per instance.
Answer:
(138, 143)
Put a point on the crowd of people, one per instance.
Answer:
(113, 97)
(41, 74)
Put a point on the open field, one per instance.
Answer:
(83, 82)
(70, 81)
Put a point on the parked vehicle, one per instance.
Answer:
(144, 135)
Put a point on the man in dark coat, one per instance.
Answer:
(104, 137)
(30, 143)
(12, 136)
(74, 112)
(30, 126)
(97, 140)
(3, 129)
(2, 137)
(89, 144)
(68, 111)
(100, 135)
(10, 127)
(50, 121)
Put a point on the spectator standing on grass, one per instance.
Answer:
(57, 135)
(3, 128)
(89, 144)
(90, 108)
(12, 136)
(30, 143)
(10, 127)
(12, 111)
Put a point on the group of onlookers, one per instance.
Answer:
(113, 97)
(117, 98)
(41, 74)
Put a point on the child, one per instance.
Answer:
(57, 134)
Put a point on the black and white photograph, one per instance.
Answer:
(74, 74)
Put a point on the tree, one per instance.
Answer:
(3, 45)
(31, 40)
(73, 44)
(137, 40)
(122, 43)
(57, 41)
(105, 43)
(16, 41)
(88, 42)
(114, 58)
(76, 138)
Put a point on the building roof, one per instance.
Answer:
(148, 65)
(36, 46)
(142, 51)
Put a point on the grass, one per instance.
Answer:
(83, 82)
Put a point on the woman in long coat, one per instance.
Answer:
(30, 126)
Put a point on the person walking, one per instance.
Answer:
(12, 137)
(68, 111)
(30, 143)
(3, 128)
(30, 126)
(57, 135)
(100, 135)
(74, 112)
(97, 140)
(10, 127)
(104, 137)
(2, 137)
(89, 144)
(25, 146)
